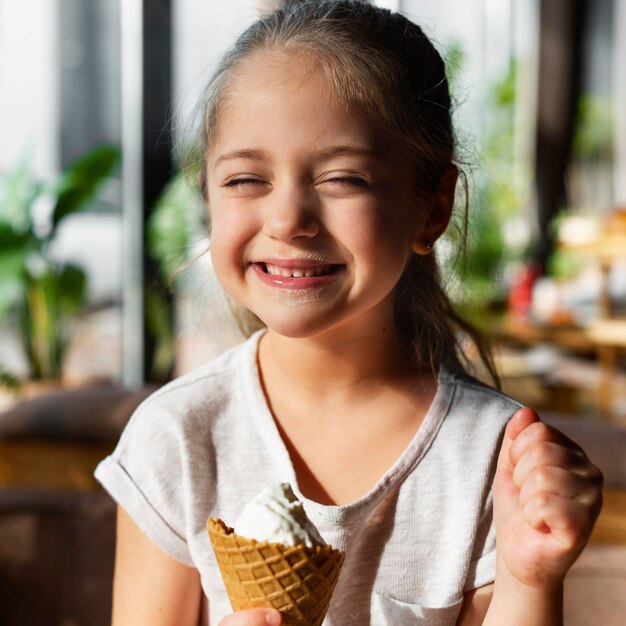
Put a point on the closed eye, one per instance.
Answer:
(241, 182)
(355, 181)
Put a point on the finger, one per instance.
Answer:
(546, 454)
(253, 617)
(536, 433)
(569, 521)
(521, 420)
(559, 482)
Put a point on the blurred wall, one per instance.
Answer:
(28, 84)
(619, 102)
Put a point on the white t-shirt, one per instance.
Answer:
(206, 443)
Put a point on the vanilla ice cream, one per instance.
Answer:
(276, 515)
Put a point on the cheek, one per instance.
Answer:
(218, 260)
(379, 238)
(231, 231)
(224, 242)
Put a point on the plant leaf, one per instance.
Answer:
(160, 327)
(71, 289)
(81, 180)
(175, 220)
(12, 273)
(12, 239)
(18, 191)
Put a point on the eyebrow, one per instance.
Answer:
(326, 153)
(253, 155)
(332, 151)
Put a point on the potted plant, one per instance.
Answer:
(39, 294)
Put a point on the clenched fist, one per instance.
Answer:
(547, 496)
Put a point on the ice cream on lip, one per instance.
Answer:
(276, 515)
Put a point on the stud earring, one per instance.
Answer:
(422, 248)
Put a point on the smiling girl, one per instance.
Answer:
(328, 172)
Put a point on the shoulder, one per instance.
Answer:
(183, 418)
(214, 376)
(477, 415)
(475, 398)
(200, 395)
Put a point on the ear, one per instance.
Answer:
(438, 215)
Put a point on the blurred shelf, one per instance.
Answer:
(611, 525)
(607, 249)
(574, 338)
(600, 343)
(50, 464)
(611, 332)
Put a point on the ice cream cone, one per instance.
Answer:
(297, 580)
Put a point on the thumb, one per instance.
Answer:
(505, 493)
(521, 419)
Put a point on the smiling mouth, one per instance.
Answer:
(300, 272)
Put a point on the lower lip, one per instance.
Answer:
(294, 284)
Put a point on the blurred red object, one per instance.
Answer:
(520, 297)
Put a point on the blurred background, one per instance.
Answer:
(106, 290)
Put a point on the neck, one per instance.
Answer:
(355, 402)
(334, 364)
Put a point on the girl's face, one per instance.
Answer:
(313, 207)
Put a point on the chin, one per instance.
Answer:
(292, 330)
(295, 326)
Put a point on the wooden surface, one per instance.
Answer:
(605, 339)
(606, 249)
(48, 464)
(610, 332)
(574, 338)
(611, 525)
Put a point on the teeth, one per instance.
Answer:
(274, 270)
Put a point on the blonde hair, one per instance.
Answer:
(384, 65)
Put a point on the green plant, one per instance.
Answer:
(38, 293)
(594, 132)
(177, 219)
(496, 199)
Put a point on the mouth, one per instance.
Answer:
(299, 272)
(297, 276)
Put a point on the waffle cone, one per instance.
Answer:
(297, 580)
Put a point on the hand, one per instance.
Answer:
(253, 617)
(547, 496)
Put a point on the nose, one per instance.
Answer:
(291, 213)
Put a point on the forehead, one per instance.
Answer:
(279, 65)
(273, 93)
(269, 73)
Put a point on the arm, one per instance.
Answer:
(150, 587)
(475, 605)
(547, 496)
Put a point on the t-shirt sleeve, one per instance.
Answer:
(145, 476)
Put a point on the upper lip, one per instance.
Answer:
(297, 263)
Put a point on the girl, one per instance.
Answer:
(328, 173)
